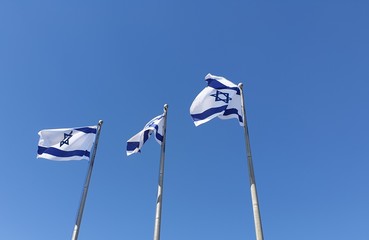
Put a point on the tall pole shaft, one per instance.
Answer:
(159, 199)
(254, 195)
(87, 183)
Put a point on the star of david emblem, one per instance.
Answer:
(66, 138)
(152, 122)
(221, 96)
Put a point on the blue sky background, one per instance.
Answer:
(304, 65)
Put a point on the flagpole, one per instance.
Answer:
(87, 183)
(254, 195)
(159, 198)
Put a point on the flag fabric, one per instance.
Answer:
(221, 98)
(66, 144)
(156, 126)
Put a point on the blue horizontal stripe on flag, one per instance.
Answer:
(131, 146)
(60, 153)
(231, 111)
(146, 136)
(86, 130)
(208, 113)
(218, 85)
(158, 136)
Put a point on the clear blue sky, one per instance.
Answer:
(304, 65)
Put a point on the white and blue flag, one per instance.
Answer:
(66, 144)
(221, 98)
(156, 126)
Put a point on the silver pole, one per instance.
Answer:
(254, 195)
(159, 198)
(87, 183)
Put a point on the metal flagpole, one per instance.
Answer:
(159, 198)
(87, 183)
(254, 195)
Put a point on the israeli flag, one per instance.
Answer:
(221, 98)
(156, 126)
(66, 144)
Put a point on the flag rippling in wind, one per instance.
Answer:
(66, 144)
(221, 98)
(155, 125)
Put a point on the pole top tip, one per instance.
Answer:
(165, 107)
(240, 85)
(101, 122)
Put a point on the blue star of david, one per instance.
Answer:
(152, 122)
(66, 138)
(218, 96)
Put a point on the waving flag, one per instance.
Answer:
(155, 125)
(66, 143)
(221, 98)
